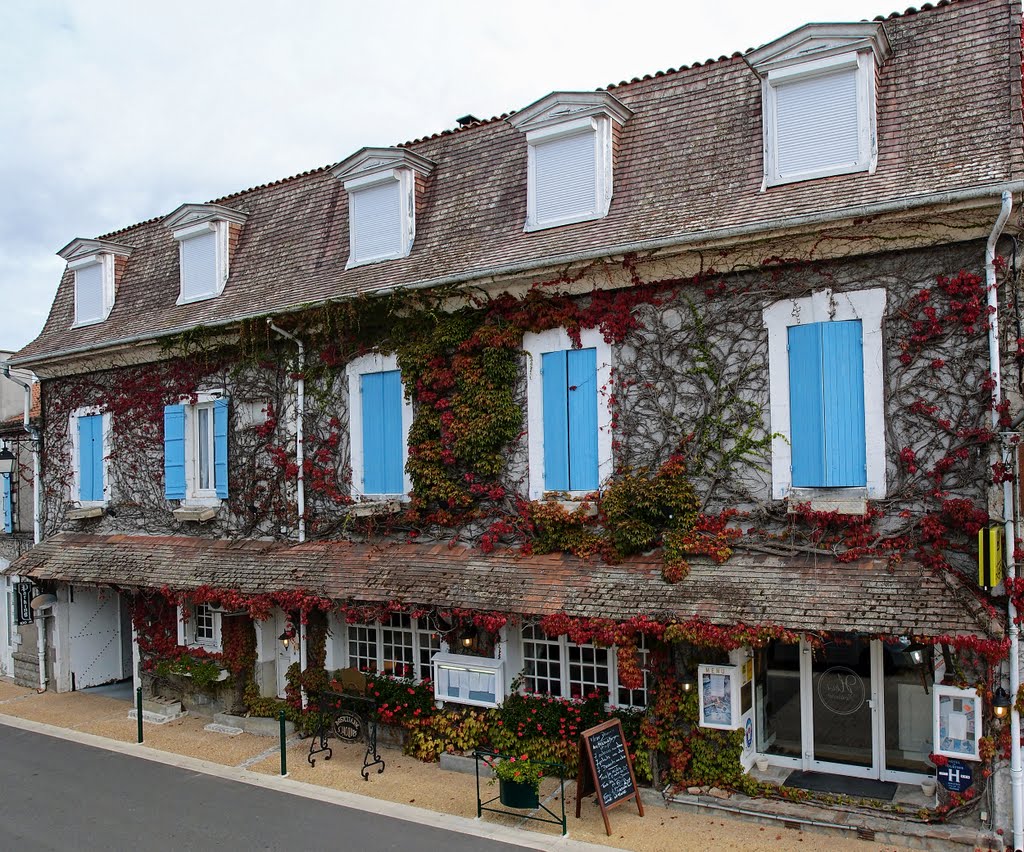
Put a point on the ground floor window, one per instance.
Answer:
(402, 646)
(559, 667)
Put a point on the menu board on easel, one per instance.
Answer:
(605, 769)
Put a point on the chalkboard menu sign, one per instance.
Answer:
(605, 769)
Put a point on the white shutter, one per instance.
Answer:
(375, 217)
(199, 266)
(89, 293)
(816, 123)
(565, 177)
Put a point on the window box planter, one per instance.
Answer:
(516, 794)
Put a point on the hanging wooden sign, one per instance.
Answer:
(605, 769)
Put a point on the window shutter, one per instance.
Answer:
(220, 447)
(565, 176)
(554, 379)
(90, 457)
(375, 217)
(174, 452)
(842, 365)
(383, 470)
(5, 485)
(582, 407)
(89, 293)
(816, 122)
(199, 265)
(807, 430)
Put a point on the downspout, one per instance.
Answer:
(1016, 770)
(300, 409)
(36, 439)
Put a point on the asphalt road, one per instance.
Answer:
(60, 795)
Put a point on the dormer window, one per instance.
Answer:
(382, 188)
(818, 100)
(96, 265)
(569, 137)
(204, 233)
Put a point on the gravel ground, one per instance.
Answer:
(408, 781)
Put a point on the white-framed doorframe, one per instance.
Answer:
(876, 702)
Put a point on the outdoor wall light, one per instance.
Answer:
(469, 639)
(288, 635)
(6, 461)
(686, 681)
(1000, 703)
(916, 652)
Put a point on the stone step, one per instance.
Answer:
(256, 725)
(217, 728)
(163, 706)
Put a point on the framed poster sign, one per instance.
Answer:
(956, 715)
(718, 692)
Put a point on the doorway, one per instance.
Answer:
(852, 706)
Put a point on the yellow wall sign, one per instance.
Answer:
(990, 557)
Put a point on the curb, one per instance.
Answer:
(449, 822)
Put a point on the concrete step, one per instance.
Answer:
(159, 711)
(256, 725)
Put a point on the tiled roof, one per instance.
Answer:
(18, 419)
(949, 118)
(866, 596)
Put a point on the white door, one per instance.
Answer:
(94, 636)
(286, 656)
(7, 627)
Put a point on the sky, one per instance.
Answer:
(114, 112)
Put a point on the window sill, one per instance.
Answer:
(81, 513)
(205, 297)
(195, 514)
(376, 506)
(842, 501)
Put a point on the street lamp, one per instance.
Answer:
(916, 652)
(6, 461)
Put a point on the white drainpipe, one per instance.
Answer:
(1016, 770)
(300, 408)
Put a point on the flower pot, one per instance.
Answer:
(928, 786)
(762, 764)
(515, 794)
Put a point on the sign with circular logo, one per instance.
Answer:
(841, 690)
(748, 733)
(956, 776)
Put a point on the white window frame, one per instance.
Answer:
(600, 127)
(194, 495)
(407, 223)
(76, 459)
(373, 362)
(563, 643)
(105, 260)
(535, 344)
(867, 159)
(419, 628)
(868, 306)
(220, 229)
(187, 629)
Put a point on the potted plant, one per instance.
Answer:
(518, 781)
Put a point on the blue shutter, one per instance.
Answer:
(383, 469)
(90, 458)
(174, 452)
(582, 407)
(842, 366)
(220, 447)
(555, 383)
(807, 428)
(5, 484)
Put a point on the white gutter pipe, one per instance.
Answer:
(1016, 770)
(300, 410)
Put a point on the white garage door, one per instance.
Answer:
(94, 636)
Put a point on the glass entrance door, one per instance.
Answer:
(838, 688)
